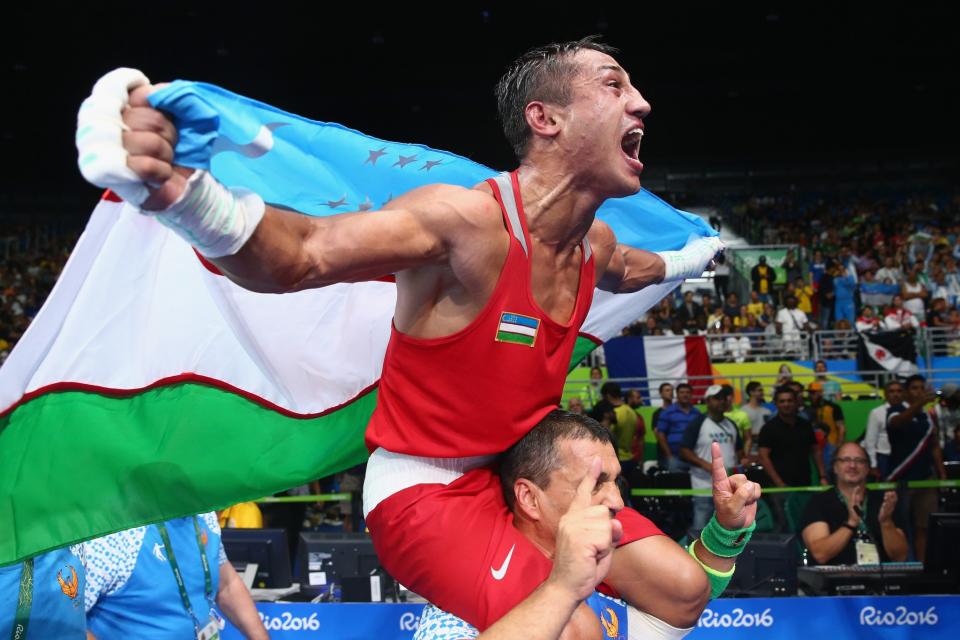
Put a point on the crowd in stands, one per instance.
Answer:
(792, 441)
(30, 263)
(864, 265)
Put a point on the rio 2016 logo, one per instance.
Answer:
(899, 617)
(286, 621)
(736, 618)
(408, 622)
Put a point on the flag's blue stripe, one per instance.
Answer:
(322, 168)
(512, 318)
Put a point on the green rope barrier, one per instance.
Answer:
(322, 497)
(665, 493)
(878, 486)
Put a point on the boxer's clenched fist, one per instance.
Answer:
(126, 145)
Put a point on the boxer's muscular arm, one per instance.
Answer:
(622, 269)
(288, 251)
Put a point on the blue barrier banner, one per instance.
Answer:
(340, 621)
(836, 618)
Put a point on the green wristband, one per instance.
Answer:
(718, 579)
(724, 542)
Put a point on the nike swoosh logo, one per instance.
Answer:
(502, 571)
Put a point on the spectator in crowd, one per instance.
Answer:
(791, 267)
(715, 319)
(755, 306)
(736, 346)
(739, 417)
(831, 388)
(897, 317)
(575, 405)
(946, 412)
(665, 391)
(915, 455)
(784, 374)
(691, 315)
(697, 442)
(827, 416)
(672, 423)
(868, 321)
(721, 277)
(937, 317)
(818, 267)
(875, 440)
(624, 427)
(947, 289)
(650, 326)
(732, 307)
(758, 414)
(951, 452)
(635, 401)
(787, 444)
(851, 525)
(804, 293)
(844, 286)
(593, 388)
(791, 322)
(762, 278)
(890, 273)
(826, 296)
(914, 294)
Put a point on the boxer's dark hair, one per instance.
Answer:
(543, 74)
(536, 455)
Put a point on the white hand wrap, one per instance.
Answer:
(692, 260)
(102, 158)
(217, 221)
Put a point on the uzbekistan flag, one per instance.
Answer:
(151, 387)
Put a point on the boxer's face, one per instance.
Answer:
(603, 125)
(576, 456)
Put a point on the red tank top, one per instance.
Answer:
(479, 390)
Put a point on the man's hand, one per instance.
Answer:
(126, 145)
(735, 497)
(149, 141)
(853, 518)
(586, 538)
(886, 509)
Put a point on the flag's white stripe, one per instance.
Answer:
(143, 308)
(517, 328)
(134, 306)
(666, 358)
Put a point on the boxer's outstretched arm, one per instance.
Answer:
(625, 269)
(289, 251)
(282, 250)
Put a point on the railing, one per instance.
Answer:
(751, 347)
(846, 384)
(941, 341)
(835, 344)
(814, 345)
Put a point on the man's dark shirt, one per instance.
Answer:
(789, 449)
(827, 507)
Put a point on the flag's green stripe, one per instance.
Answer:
(581, 348)
(518, 338)
(109, 464)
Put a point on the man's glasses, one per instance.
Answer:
(852, 461)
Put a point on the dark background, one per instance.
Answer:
(746, 86)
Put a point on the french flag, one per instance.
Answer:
(658, 359)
